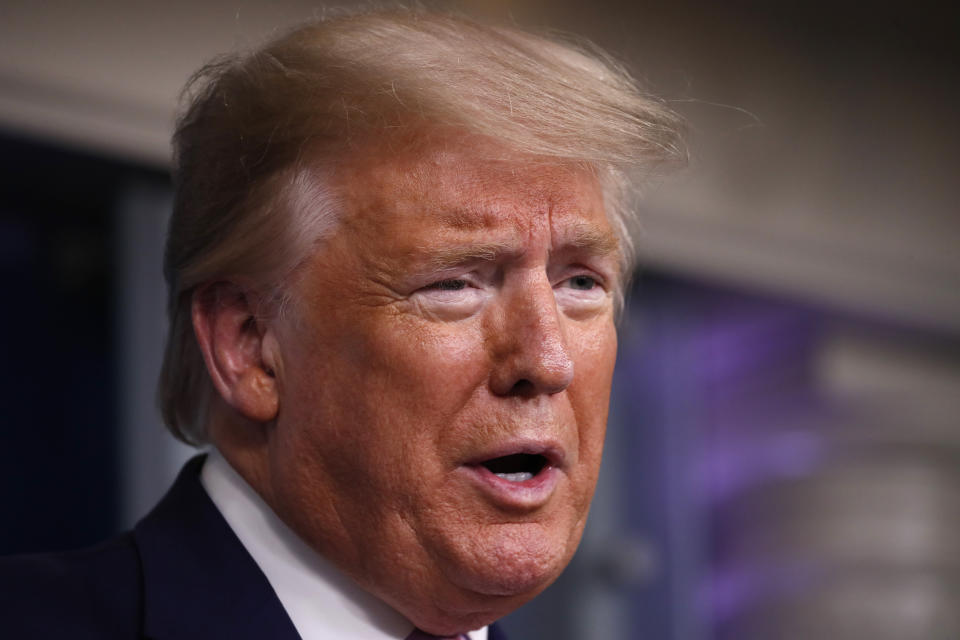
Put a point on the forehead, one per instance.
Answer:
(468, 184)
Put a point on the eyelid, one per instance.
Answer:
(436, 285)
(475, 275)
(443, 304)
(435, 282)
(577, 270)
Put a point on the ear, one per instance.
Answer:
(239, 354)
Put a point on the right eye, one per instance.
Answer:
(451, 298)
(448, 285)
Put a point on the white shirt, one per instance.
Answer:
(322, 602)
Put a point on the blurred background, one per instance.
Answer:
(784, 449)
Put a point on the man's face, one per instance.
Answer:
(445, 375)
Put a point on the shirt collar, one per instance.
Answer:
(322, 602)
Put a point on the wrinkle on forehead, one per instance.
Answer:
(470, 196)
(452, 160)
(468, 183)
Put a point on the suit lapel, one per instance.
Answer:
(199, 582)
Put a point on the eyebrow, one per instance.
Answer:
(446, 257)
(589, 239)
(585, 238)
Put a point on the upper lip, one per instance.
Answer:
(551, 450)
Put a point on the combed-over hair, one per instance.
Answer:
(250, 204)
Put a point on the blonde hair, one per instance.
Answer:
(259, 127)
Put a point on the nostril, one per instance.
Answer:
(523, 388)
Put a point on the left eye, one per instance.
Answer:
(582, 283)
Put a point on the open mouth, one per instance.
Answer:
(516, 467)
(523, 477)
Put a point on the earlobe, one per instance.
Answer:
(233, 345)
(255, 395)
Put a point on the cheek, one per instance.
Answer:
(429, 369)
(367, 404)
(590, 395)
(595, 352)
(383, 391)
(597, 348)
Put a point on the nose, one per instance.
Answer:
(530, 354)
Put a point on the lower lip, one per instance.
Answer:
(526, 495)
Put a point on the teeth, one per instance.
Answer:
(520, 476)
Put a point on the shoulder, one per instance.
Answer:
(91, 593)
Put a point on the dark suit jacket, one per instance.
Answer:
(180, 574)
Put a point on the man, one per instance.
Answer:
(394, 263)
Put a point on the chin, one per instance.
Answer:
(502, 568)
(484, 594)
(514, 561)
(481, 575)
